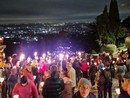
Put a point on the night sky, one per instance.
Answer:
(55, 10)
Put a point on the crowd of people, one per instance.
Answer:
(65, 77)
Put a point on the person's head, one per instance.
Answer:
(64, 74)
(127, 76)
(46, 74)
(28, 67)
(84, 87)
(102, 73)
(53, 69)
(126, 81)
(23, 80)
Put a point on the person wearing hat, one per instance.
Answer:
(84, 88)
(125, 88)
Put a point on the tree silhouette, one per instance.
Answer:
(108, 25)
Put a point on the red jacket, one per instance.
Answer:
(84, 66)
(27, 91)
(28, 74)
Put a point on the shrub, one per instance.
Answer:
(127, 42)
(109, 48)
(94, 52)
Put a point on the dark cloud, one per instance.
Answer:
(55, 9)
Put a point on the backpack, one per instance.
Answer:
(119, 70)
(108, 76)
(101, 80)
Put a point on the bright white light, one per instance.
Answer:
(35, 53)
(48, 53)
(14, 67)
(107, 53)
(113, 62)
(42, 84)
(38, 67)
(1, 38)
(29, 59)
(34, 77)
(103, 68)
(95, 63)
(79, 53)
(1, 80)
(22, 56)
(36, 57)
(18, 63)
(88, 63)
(67, 56)
(117, 59)
(16, 96)
(61, 56)
(118, 91)
(49, 61)
(43, 55)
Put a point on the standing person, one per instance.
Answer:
(5, 74)
(125, 91)
(25, 89)
(46, 75)
(101, 84)
(100, 65)
(54, 85)
(92, 73)
(108, 82)
(77, 65)
(84, 68)
(128, 64)
(28, 72)
(12, 80)
(4, 88)
(67, 93)
(42, 68)
(84, 88)
(35, 74)
(72, 75)
(121, 69)
(64, 64)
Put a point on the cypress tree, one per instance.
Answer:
(108, 25)
(102, 27)
(114, 20)
(114, 13)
